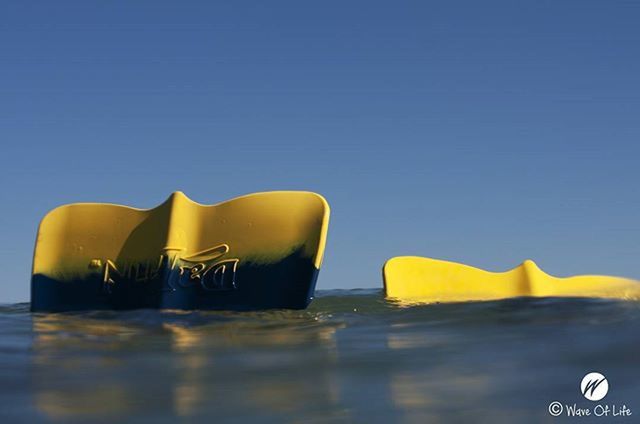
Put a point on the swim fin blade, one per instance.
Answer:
(411, 279)
(258, 251)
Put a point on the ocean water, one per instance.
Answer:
(350, 357)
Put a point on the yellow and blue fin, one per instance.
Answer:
(412, 279)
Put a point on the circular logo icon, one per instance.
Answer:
(594, 386)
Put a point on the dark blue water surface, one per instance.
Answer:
(350, 357)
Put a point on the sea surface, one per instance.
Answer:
(350, 357)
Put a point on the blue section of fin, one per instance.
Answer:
(286, 284)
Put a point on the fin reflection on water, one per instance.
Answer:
(350, 357)
(83, 364)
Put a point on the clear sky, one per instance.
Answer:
(481, 132)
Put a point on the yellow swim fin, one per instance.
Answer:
(412, 279)
(258, 251)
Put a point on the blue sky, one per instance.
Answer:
(481, 132)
